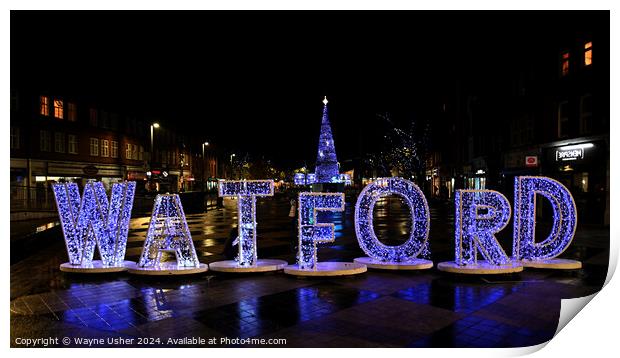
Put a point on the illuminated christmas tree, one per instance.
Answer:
(326, 161)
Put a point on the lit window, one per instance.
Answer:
(134, 152)
(58, 109)
(92, 119)
(565, 63)
(105, 148)
(14, 137)
(72, 115)
(563, 119)
(59, 142)
(44, 141)
(127, 151)
(44, 104)
(94, 147)
(141, 153)
(114, 149)
(72, 144)
(587, 54)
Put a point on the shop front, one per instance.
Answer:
(582, 165)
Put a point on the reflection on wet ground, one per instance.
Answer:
(392, 309)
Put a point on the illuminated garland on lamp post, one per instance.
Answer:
(401, 257)
(168, 232)
(246, 191)
(93, 222)
(475, 232)
(543, 254)
(311, 233)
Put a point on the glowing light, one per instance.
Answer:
(366, 236)
(326, 161)
(564, 218)
(168, 232)
(155, 125)
(92, 221)
(311, 178)
(325, 101)
(475, 230)
(246, 192)
(310, 231)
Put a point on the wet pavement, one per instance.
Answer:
(375, 309)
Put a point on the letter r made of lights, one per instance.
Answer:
(420, 218)
(527, 189)
(310, 231)
(246, 192)
(480, 214)
(168, 232)
(93, 221)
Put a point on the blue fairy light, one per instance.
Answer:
(416, 244)
(310, 232)
(475, 229)
(246, 192)
(527, 189)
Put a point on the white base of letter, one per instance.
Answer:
(262, 265)
(95, 267)
(480, 268)
(328, 269)
(414, 264)
(167, 268)
(553, 264)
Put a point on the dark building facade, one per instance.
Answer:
(60, 137)
(545, 113)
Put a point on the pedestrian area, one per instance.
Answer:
(375, 309)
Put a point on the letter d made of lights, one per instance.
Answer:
(168, 232)
(93, 222)
(246, 191)
(543, 254)
(311, 233)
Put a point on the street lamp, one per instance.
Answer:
(231, 165)
(205, 144)
(154, 125)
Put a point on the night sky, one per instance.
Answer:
(254, 81)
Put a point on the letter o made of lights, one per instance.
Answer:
(420, 218)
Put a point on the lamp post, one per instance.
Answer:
(154, 125)
(231, 165)
(205, 144)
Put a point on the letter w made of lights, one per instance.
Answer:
(168, 232)
(479, 215)
(93, 221)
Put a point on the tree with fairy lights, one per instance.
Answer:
(326, 161)
(405, 148)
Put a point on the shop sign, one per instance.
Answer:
(531, 161)
(90, 170)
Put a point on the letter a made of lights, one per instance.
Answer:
(246, 191)
(311, 233)
(543, 254)
(93, 221)
(168, 232)
(479, 215)
(393, 257)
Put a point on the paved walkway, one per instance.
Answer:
(375, 309)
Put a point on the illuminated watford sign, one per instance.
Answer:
(93, 221)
